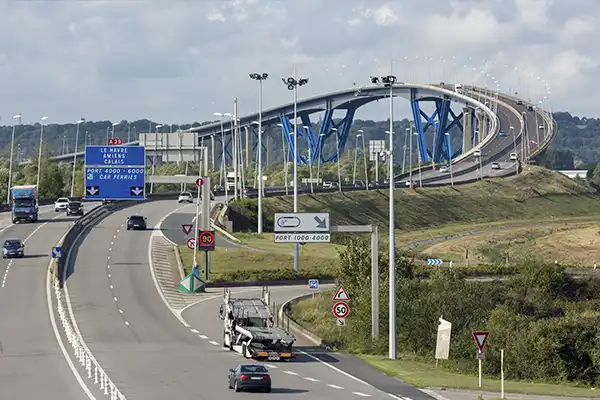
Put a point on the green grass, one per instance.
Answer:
(260, 258)
(534, 194)
(423, 375)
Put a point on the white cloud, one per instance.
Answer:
(534, 13)
(472, 27)
(137, 59)
(576, 27)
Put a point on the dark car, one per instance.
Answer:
(74, 208)
(13, 248)
(136, 222)
(249, 377)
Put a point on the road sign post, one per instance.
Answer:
(480, 339)
(115, 172)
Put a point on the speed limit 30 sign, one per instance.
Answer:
(341, 310)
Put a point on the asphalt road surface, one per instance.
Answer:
(31, 363)
(147, 352)
(305, 374)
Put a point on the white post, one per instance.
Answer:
(502, 373)
(337, 139)
(260, 173)
(195, 233)
(296, 245)
(40, 151)
(235, 153)
(392, 241)
(364, 154)
(479, 362)
(75, 157)
(374, 282)
(355, 157)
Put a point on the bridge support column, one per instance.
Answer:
(467, 142)
(481, 126)
(417, 114)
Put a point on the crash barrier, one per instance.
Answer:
(81, 352)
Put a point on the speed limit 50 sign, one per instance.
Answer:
(341, 310)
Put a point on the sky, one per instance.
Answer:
(181, 61)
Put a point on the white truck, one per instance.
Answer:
(249, 329)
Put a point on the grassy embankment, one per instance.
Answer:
(535, 196)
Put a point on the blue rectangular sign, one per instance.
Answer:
(114, 156)
(115, 183)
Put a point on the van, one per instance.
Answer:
(477, 153)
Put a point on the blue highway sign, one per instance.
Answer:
(57, 252)
(115, 172)
(114, 156)
(313, 284)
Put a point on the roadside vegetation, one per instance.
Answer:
(547, 322)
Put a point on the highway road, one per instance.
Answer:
(149, 353)
(31, 363)
(322, 374)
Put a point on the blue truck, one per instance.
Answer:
(24, 201)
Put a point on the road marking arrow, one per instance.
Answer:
(137, 190)
(92, 190)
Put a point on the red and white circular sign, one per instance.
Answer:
(199, 182)
(341, 309)
(191, 243)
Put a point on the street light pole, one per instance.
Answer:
(292, 83)
(223, 165)
(447, 134)
(82, 120)
(337, 142)
(157, 127)
(512, 132)
(12, 144)
(260, 78)
(388, 81)
(355, 157)
(310, 157)
(39, 168)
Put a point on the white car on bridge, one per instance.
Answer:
(513, 156)
(61, 204)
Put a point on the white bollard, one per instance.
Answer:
(95, 373)
(105, 385)
(88, 365)
(101, 380)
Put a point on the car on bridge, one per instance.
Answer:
(501, 133)
(61, 204)
(13, 248)
(495, 165)
(477, 153)
(249, 377)
(513, 157)
(136, 222)
(445, 169)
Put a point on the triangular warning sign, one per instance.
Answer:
(480, 339)
(341, 294)
(187, 228)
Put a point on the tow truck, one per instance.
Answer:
(249, 329)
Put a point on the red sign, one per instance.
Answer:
(480, 339)
(341, 294)
(115, 142)
(341, 309)
(206, 240)
(199, 182)
(187, 228)
(191, 243)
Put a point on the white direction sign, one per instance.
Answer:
(442, 345)
(341, 321)
(301, 222)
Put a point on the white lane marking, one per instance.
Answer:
(111, 287)
(361, 394)
(334, 368)
(334, 386)
(24, 241)
(109, 275)
(271, 366)
(110, 248)
(6, 272)
(194, 330)
(115, 298)
(393, 396)
(290, 372)
(61, 345)
(126, 323)
(308, 378)
(121, 311)
(203, 337)
(213, 343)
